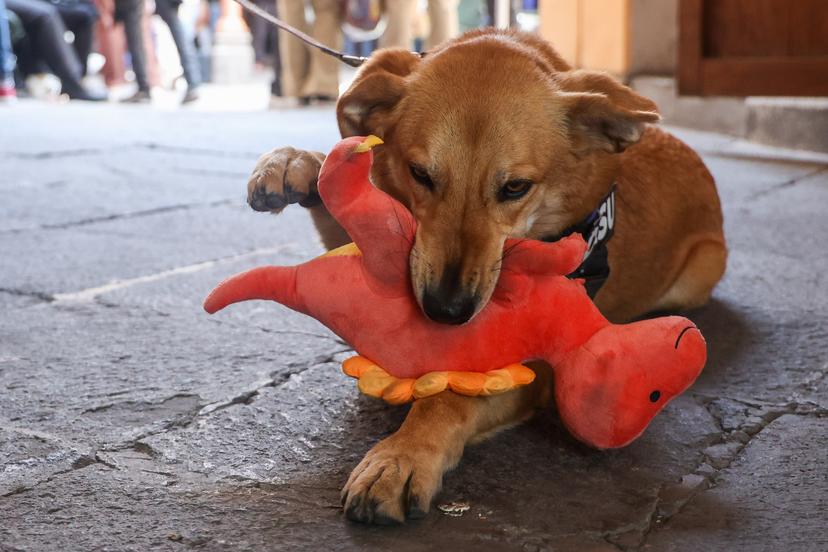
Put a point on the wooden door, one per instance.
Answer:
(753, 47)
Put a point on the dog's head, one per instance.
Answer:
(489, 137)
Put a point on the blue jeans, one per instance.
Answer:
(7, 59)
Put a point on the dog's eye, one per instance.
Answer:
(514, 189)
(421, 176)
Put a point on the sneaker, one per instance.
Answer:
(142, 96)
(283, 102)
(8, 93)
(316, 99)
(86, 95)
(190, 96)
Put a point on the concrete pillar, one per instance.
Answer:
(501, 14)
(232, 53)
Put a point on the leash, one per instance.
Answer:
(353, 61)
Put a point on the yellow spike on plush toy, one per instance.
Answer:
(430, 384)
(521, 375)
(368, 144)
(399, 392)
(347, 250)
(467, 383)
(374, 380)
(356, 365)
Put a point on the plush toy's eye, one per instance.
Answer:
(420, 175)
(655, 395)
(514, 189)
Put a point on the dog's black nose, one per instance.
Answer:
(449, 310)
(448, 302)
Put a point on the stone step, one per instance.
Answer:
(795, 123)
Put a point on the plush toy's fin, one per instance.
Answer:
(381, 227)
(277, 283)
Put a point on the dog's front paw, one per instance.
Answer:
(395, 480)
(284, 176)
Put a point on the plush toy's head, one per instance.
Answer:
(613, 385)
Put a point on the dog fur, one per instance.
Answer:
(465, 126)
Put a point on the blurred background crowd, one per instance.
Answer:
(129, 50)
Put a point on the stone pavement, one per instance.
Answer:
(130, 420)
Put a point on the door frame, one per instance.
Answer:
(741, 76)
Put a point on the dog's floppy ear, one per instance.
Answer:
(602, 113)
(363, 109)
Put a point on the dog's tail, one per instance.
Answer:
(276, 283)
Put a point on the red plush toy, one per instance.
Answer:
(610, 380)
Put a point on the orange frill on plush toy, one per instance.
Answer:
(376, 382)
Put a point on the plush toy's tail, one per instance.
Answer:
(277, 283)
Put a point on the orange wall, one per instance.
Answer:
(619, 36)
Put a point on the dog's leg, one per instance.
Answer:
(401, 474)
(702, 269)
(287, 175)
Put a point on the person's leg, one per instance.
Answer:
(259, 29)
(131, 12)
(45, 28)
(323, 77)
(400, 16)
(444, 22)
(80, 18)
(168, 10)
(276, 85)
(7, 60)
(111, 42)
(295, 58)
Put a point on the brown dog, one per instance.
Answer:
(493, 135)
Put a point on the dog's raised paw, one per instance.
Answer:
(284, 176)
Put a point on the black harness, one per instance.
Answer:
(596, 229)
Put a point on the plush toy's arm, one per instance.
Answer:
(381, 227)
(536, 257)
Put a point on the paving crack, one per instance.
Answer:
(630, 536)
(121, 216)
(277, 379)
(39, 295)
(195, 171)
(90, 294)
(82, 462)
(40, 155)
(188, 150)
(786, 184)
(739, 421)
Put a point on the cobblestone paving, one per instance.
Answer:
(130, 420)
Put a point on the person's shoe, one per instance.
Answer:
(190, 96)
(316, 99)
(8, 93)
(142, 96)
(86, 95)
(283, 102)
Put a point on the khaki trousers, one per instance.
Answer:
(306, 71)
(442, 15)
